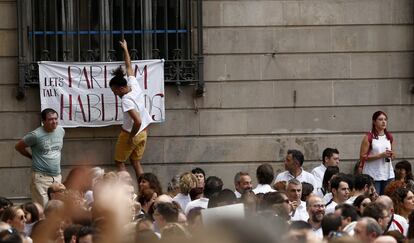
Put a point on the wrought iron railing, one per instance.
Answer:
(89, 31)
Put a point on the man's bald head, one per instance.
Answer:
(386, 201)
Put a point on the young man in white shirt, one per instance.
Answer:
(340, 192)
(293, 165)
(330, 157)
(265, 176)
(132, 139)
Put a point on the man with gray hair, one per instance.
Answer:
(367, 230)
(294, 193)
(397, 222)
(293, 165)
(242, 183)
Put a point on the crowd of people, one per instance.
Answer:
(93, 205)
(375, 203)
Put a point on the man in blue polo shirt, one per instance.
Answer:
(46, 143)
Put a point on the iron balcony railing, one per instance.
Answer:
(89, 31)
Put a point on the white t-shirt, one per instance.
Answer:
(318, 172)
(182, 199)
(303, 177)
(263, 188)
(300, 213)
(134, 100)
(330, 207)
(379, 169)
(202, 203)
(399, 223)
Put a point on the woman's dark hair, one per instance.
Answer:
(404, 164)
(145, 196)
(153, 181)
(329, 172)
(374, 130)
(118, 80)
(307, 189)
(32, 209)
(398, 199)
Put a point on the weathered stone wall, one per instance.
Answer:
(279, 75)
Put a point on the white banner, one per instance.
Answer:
(81, 95)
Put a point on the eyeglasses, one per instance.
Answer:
(284, 201)
(22, 217)
(318, 206)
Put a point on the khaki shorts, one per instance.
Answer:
(134, 151)
(39, 185)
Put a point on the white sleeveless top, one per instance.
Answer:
(379, 169)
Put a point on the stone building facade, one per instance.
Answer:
(281, 74)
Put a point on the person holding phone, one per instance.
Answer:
(377, 152)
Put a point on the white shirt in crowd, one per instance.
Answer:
(379, 169)
(330, 207)
(400, 224)
(182, 200)
(300, 213)
(318, 173)
(263, 188)
(202, 203)
(238, 194)
(303, 177)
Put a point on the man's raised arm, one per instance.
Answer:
(127, 58)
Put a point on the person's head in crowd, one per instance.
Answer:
(307, 191)
(378, 212)
(265, 174)
(329, 173)
(360, 203)
(316, 209)
(347, 213)
(403, 200)
(9, 234)
(194, 218)
(196, 193)
(294, 190)
(124, 177)
(31, 212)
(70, 233)
(143, 224)
(280, 186)
(340, 188)
(187, 182)
(398, 237)
(4, 203)
(173, 187)
(392, 186)
(201, 176)
(299, 225)
(242, 182)
(146, 198)
(56, 191)
(386, 239)
(41, 210)
(77, 179)
(386, 201)
(223, 198)
(249, 199)
(14, 216)
(213, 185)
(278, 202)
(54, 210)
(149, 180)
(146, 236)
(165, 213)
(175, 232)
(403, 171)
(85, 234)
(367, 230)
(330, 222)
(294, 161)
(330, 157)
(364, 184)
